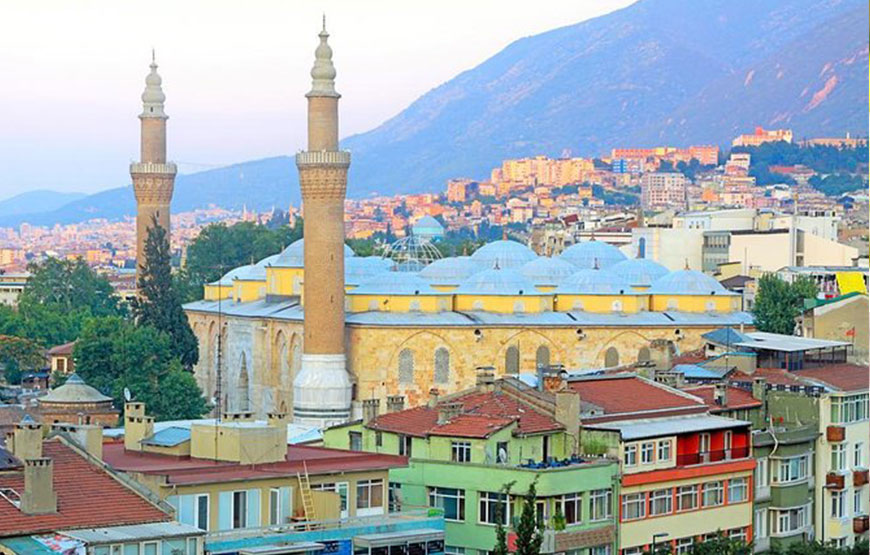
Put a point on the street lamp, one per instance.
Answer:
(656, 536)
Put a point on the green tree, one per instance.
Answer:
(500, 547)
(778, 303)
(112, 354)
(18, 355)
(159, 304)
(721, 545)
(528, 528)
(817, 548)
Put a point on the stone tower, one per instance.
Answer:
(153, 177)
(322, 388)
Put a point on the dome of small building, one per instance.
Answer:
(638, 272)
(227, 279)
(428, 227)
(687, 282)
(504, 253)
(546, 270)
(74, 390)
(257, 272)
(362, 268)
(495, 281)
(412, 253)
(449, 271)
(589, 281)
(591, 254)
(394, 283)
(293, 256)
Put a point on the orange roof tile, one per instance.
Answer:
(840, 377)
(736, 398)
(631, 394)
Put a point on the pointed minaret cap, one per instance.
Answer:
(323, 72)
(153, 97)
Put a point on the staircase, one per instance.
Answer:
(307, 498)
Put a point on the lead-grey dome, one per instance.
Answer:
(504, 253)
(687, 282)
(74, 390)
(592, 254)
(294, 255)
(545, 270)
(638, 272)
(449, 271)
(497, 282)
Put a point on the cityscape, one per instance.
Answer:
(609, 327)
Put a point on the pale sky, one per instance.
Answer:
(234, 73)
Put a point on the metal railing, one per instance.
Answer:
(703, 457)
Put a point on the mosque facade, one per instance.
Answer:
(321, 329)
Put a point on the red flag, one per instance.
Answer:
(850, 332)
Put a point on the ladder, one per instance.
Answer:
(307, 498)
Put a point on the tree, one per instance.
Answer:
(817, 548)
(159, 304)
(721, 545)
(528, 528)
(112, 354)
(18, 355)
(778, 303)
(500, 531)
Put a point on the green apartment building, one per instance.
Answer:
(464, 450)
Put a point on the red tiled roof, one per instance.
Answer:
(87, 497)
(736, 398)
(774, 376)
(65, 349)
(186, 470)
(841, 377)
(482, 413)
(631, 394)
(690, 357)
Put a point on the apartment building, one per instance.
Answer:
(664, 190)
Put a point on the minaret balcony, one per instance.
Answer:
(323, 158)
(152, 168)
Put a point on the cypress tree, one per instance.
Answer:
(529, 536)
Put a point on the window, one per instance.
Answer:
(453, 550)
(379, 439)
(493, 508)
(274, 506)
(442, 365)
(201, 516)
(857, 503)
(838, 457)
(406, 367)
(611, 357)
(858, 456)
(792, 469)
(600, 550)
(150, 548)
(451, 501)
(355, 441)
(713, 494)
(761, 479)
(405, 445)
(501, 452)
(838, 504)
(738, 490)
(395, 497)
(633, 506)
(737, 534)
(542, 357)
(704, 447)
(646, 452)
(600, 502)
(687, 498)
(760, 524)
(791, 520)
(460, 451)
(572, 504)
(664, 453)
(661, 502)
(369, 494)
(852, 408)
(512, 360)
(684, 545)
(341, 488)
(240, 509)
(630, 457)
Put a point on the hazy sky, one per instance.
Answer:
(234, 73)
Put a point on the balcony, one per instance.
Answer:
(835, 434)
(835, 481)
(860, 477)
(705, 457)
(861, 524)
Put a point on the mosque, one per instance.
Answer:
(319, 329)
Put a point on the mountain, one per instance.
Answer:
(44, 199)
(655, 72)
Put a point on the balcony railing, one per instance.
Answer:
(861, 524)
(860, 477)
(704, 457)
(834, 480)
(835, 433)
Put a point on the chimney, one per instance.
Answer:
(237, 416)
(449, 411)
(27, 439)
(370, 409)
(137, 426)
(278, 420)
(395, 403)
(759, 389)
(39, 496)
(434, 395)
(554, 382)
(485, 378)
(720, 394)
(568, 415)
(89, 437)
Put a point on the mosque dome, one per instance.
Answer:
(687, 282)
(394, 283)
(638, 272)
(360, 269)
(293, 256)
(257, 272)
(496, 281)
(589, 281)
(546, 270)
(590, 254)
(504, 253)
(227, 279)
(449, 271)
(74, 390)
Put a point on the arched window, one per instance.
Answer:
(406, 367)
(611, 357)
(442, 365)
(542, 356)
(643, 354)
(244, 392)
(512, 360)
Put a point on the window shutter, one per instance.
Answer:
(253, 509)
(286, 496)
(186, 510)
(225, 510)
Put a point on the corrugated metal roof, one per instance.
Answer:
(134, 532)
(168, 437)
(790, 343)
(697, 372)
(639, 429)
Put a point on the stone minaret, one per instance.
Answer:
(153, 177)
(322, 389)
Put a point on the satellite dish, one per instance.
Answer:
(127, 396)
